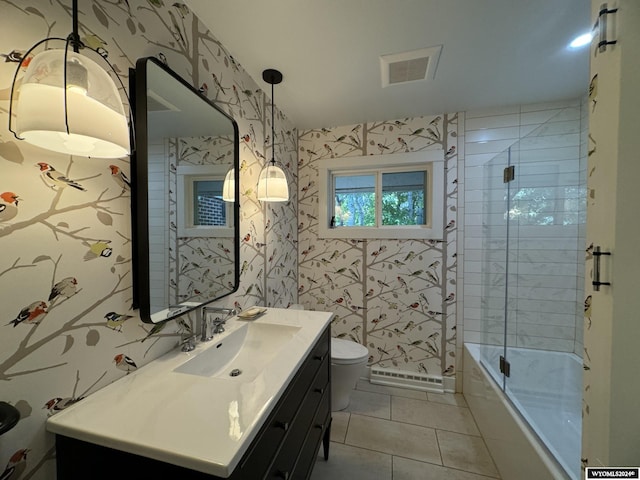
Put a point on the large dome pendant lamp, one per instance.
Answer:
(68, 103)
(272, 182)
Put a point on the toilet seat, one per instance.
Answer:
(346, 352)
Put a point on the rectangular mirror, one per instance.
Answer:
(186, 237)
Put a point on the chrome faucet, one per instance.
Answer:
(187, 336)
(218, 323)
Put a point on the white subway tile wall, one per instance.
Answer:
(158, 214)
(546, 244)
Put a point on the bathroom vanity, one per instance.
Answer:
(191, 416)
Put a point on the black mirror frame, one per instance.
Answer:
(140, 192)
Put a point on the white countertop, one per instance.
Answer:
(193, 421)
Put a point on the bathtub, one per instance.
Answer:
(535, 432)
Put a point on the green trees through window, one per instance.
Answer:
(403, 199)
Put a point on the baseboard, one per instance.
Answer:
(411, 380)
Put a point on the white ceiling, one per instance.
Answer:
(495, 53)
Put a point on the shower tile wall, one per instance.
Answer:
(159, 243)
(546, 266)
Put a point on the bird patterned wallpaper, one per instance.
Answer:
(396, 297)
(201, 268)
(65, 222)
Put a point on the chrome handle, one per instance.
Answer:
(319, 390)
(283, 475)
(597, 253)
(601, 26)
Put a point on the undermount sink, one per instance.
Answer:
(242, 354)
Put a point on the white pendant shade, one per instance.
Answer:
(229, 186)
(97, 123)
(272, 184)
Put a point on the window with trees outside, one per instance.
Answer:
(384, 196)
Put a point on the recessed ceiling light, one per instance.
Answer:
(581, 40)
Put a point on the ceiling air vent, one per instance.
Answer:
(406, 67)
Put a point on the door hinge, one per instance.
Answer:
(505, 367)
(509, 174)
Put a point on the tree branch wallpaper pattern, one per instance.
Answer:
(201, 267)
(396, 297)
(65, 222)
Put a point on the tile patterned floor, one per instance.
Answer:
(389, 433)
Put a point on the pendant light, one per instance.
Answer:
(68, 103)
(272, 182)
(229, 186)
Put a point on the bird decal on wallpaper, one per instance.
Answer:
(54, 179)
(98, 249)
(593, 91)
(124, 363)
(8, 206)
(115, 320)
(218, 84)
(183, 10)
(58, 403)
(67, 287)
(157, 328)
(120, 178)
(94, 41)
(587, 306)
(450, 152)
(14, 56)
(32, 314)
(16, 465)
(403, 144)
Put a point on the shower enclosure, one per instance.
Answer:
(532, 281)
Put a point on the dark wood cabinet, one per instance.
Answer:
(285, 448)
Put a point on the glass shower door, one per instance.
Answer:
(544, 287)
(494, 266)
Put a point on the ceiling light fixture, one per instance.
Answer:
(272, 182)
(68, 103)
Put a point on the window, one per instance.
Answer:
(208, 206)
(200, 210)
(383, 196)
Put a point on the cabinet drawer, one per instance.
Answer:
(267, 443)
(309, 452)
(289, 455)
(308, 411)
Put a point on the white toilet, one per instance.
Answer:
(348, 361)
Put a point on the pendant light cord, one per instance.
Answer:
(75, 35)
(273, 128)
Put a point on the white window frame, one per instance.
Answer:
(431, 159)
(187, 175)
